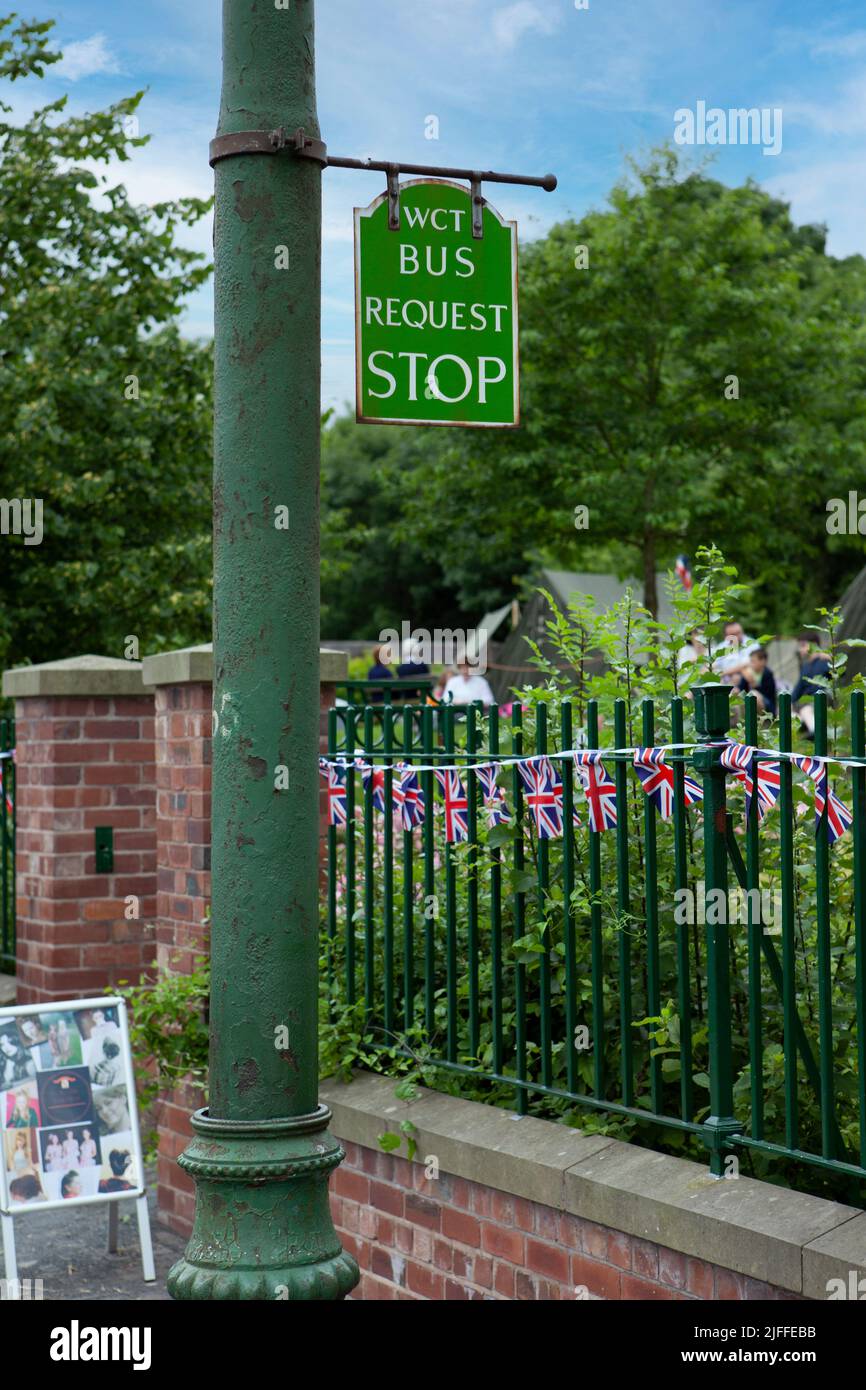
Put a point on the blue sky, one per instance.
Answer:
(522, 85)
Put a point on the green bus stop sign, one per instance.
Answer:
(436, 312)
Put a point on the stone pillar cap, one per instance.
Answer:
(188, 664)
(76, 676)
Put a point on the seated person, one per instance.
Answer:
(813, 663)
(379, 671)
(410, 666)
(731, 655)
(467, 687)
(757, 677)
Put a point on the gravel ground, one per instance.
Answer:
(67, 1250)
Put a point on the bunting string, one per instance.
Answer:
(757, 770)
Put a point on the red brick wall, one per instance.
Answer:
(449, 1239)
(175, 1190)
(183, 809)
(83, 762)
(183, 814)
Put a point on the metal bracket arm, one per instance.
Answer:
(304, 146)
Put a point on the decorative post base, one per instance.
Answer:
(717, 1134)
(262, 1227)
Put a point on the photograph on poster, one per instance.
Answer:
(31, 1030)
(106, 1067)
(65, 1096)
(21, 1153)
(21, 1108)
(111, 1104)
(25, 1190)
(118, 1173)
(62, 1046)
(77, 1146)
(16, 1062)
(97, 1026)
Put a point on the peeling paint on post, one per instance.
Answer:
(261, 1156)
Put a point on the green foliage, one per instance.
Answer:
(641, 662)
(406, 1090)
(105, 410)
(377, 570)
(168, 1031)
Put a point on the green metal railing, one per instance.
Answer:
(7, 849)
(560, 969)
(383, 691)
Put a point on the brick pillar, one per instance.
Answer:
(182, 681)
(85, 759)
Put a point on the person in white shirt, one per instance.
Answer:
(732, 654)
(465, 688)
(693, 649)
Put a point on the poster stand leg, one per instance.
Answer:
(145, 1241)
(112, 1228)
(9, 1260)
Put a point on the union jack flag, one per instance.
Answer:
(543, 797)
(739, 758)
(408, 796)
(336, 791)
(658, 781)
(494, 797)
(376, 777)
(839, 818)
(598, 788)
(456, 804)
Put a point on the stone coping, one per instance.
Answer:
(180, 667)
(76, 675)
(109, 675)
(789, 1239)
(196, 664)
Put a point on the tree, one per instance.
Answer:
(105, 409)
(376, 572)
(692, 372)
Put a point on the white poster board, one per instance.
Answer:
(69, 1131)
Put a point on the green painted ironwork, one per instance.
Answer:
(595, 921)
(712, 719)
(858, 748)
(513, 949)
(7, 849)
(359, 692)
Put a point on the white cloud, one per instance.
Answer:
(86, 58)
(510, 24)
(830, 191)
(851, 45)
(844, 114)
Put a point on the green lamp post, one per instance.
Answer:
(261, 1154)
